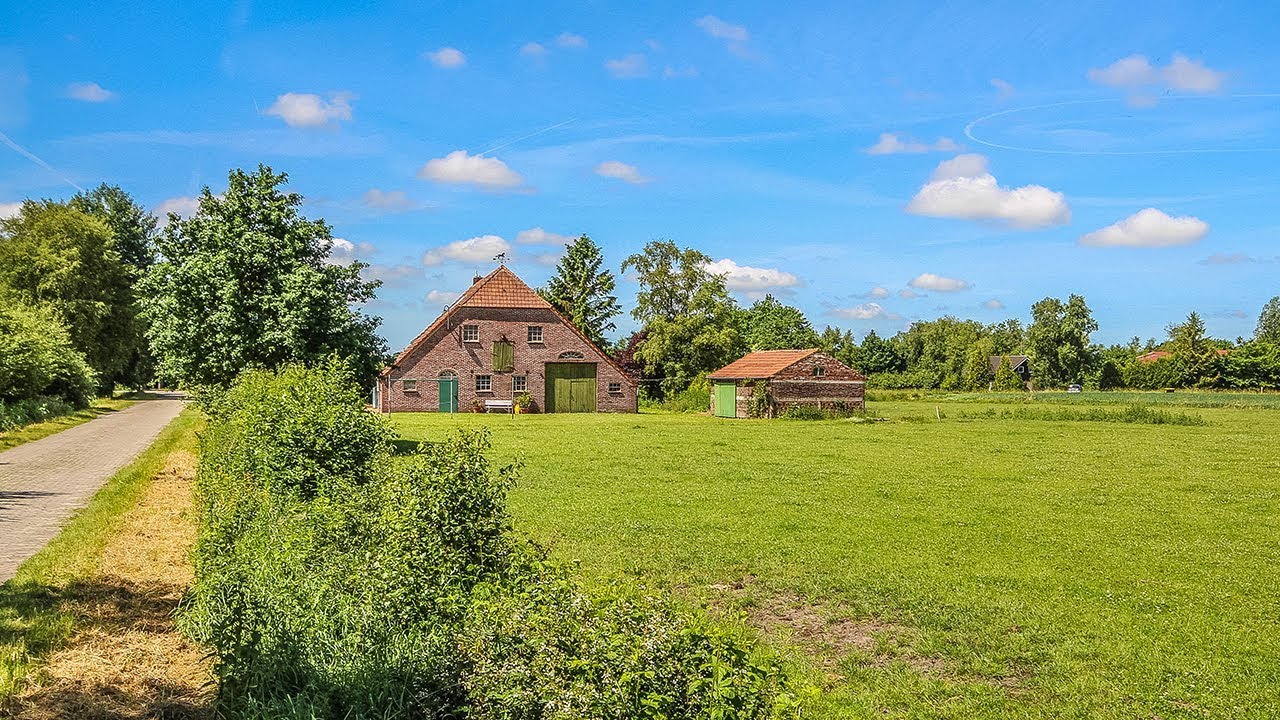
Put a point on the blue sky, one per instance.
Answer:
(872, 165)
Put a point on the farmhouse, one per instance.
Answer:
(789, 377)
(500, 341)
(1021, 365)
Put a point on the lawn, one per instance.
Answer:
(1043, 565)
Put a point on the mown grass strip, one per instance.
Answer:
(32, 621)
(36, 431)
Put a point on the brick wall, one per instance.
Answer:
(445, 350)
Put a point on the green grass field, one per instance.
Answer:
(993, 567)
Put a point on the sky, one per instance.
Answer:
(872, 164)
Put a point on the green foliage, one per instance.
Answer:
(336, 580)
(583, 291)
(759, 400)
(842, 346)
(245, 283)
(1153, 375)
(770, 325)
(1268, 328)
(1133, 414)
(15, 414)
(38, 362)
(1254, 365)
(1109, 376)
(1195, 357)
(941, 350)
(696, 398)
(878, 356)
(1006, 380)
(1058, 340)
(54, 255)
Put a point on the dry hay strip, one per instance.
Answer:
(126, 659)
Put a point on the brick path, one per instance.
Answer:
(43, 482)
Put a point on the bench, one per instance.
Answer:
(503, 405)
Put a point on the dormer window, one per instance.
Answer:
(470, 333)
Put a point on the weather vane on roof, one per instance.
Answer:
(500, 258)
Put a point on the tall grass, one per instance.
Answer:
(1137, 414)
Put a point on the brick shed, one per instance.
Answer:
(790, 377)
(498, 341)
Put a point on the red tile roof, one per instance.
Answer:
(760, 364)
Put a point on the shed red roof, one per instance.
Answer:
(760, 364)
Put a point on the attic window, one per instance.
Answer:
(470, 333)
(819, 371)
(535, 333)
(571, 355)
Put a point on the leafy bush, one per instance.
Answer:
(37, 359)
(32, 410)
(693, 399)
(334, 579)
(811, 412)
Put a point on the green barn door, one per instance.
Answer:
(726, 399)
(448, 395)
(571, 387)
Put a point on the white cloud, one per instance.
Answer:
(311, 110)
(735, 36)
(442, 297)
(962, 187)
(1136, 72)
(393, 275)
(446, 57)
(937, 283)
(892, 143)
(1004, 88)
(570, 41)
(343, 251)
(89, 92)
(533, 50)
(548, 259)
(750, 279)
(476, 249)
(993, 304)
(879, 292)
(866, 311)
(634, 65)
(908, 294)
(185, 207)
(389, 200)
(538, 236)
(1149, 228)
(8, 210)
(459, 167)
(621, 171)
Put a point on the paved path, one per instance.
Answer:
(43, 482)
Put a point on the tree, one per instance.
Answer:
(1268, 329)
(940, 351)
(686, 312)
(1006, 380)
(1058, 340)
(37, 358)
(244, 283)
(54, 254)
(878, 356)
(1194, 354)
(841, 345)
(582, 291)
(770, 325)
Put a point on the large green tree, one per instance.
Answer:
(37, 358)
(1058, 340)
(686, 312)
(1194, 353)
(877, 355)
(244, 283)
(771, 325)
(582, 290)
(1268, 329)
(53, 254)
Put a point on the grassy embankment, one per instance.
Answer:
(994, 565)
(86, 625)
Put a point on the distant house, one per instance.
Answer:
(501, 340)
(1021, 365)
(790, 377)
(1154, 355)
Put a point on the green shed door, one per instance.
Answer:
(571, 387)
(448, 395)
(726, 399)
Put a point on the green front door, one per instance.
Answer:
(726, 399)
(571, 387)
(448, 395)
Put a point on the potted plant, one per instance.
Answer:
(477, 405)
(523, 403)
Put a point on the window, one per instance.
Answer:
(571, 355)
(615, 388)
(535, 333)
(470, 333)
(819, 371)
(411, 386)
(504, 356)
(484, 383)
(519, 383)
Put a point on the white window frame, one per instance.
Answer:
(615, 388)
(470, 333)
(409, 386)
(534, 333)
(519, 383)
(819, 371)
(487, 381)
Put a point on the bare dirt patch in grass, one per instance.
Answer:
(126, 659)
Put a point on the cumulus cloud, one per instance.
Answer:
(570, 41)
(963, 187)
(446, 57)
(892, 143)
(89, 92)
(1136, 72)
(342, 251)
(476, 249)
(1004, 88)
(735, 36)
(634, 65)
(388, 200)
(442, 297)
(621, 171)
(8, 210)
(866, 311)
(878, 292)
(745, 278)
(993, 304)
(394, 276)
(1149, 228)
(311, 110)
(533, 50)
(937, 283)
(538, 236)
(459, 167)
(908, 294)
(1214, 259)
(184, 207)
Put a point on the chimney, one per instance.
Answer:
(478, 277)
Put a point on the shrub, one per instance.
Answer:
(32, 410)
(37, 359)
(334, 579)
(693, 399)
